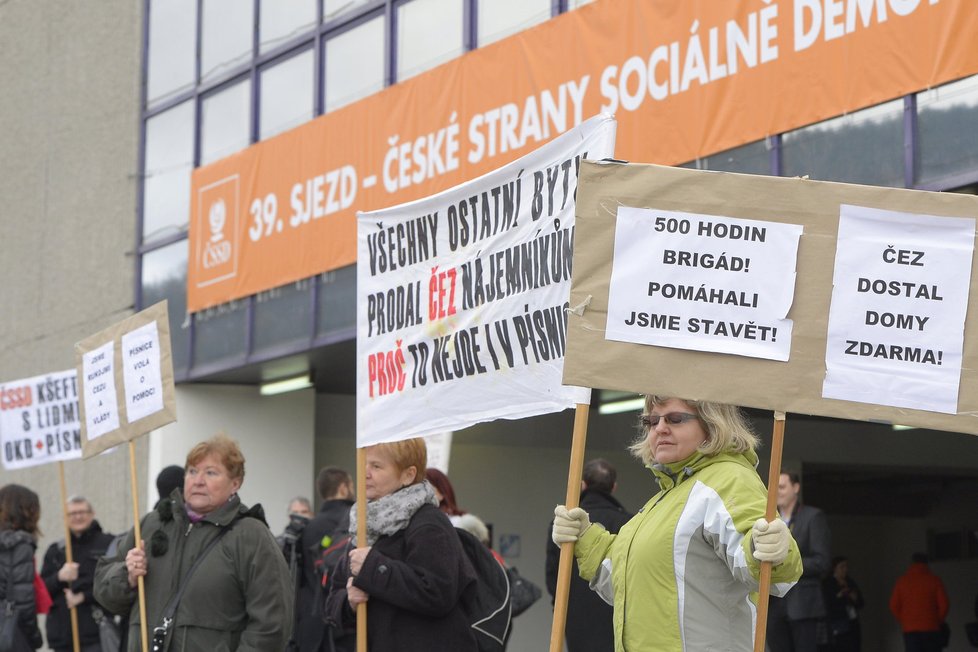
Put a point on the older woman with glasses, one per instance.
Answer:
(683, 573)
(237, 598)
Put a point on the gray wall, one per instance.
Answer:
(68, 175)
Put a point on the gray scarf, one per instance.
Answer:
(391, 513)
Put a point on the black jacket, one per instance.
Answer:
(85, 550)
(415, 579)
(332, 520)
(17, 581)
(810, 529)
(589, 625)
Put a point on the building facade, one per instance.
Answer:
(111, 107)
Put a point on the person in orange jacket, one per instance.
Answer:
(919, 602)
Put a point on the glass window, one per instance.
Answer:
(337, 301)
(171, 58)
(283, 315)
(752, 158)
(429, 32)
(225, 122)
(365, 45)
(863, 147)
(286, 94)
(335, 8)
(500, 18)
(169, 161)
(221, 333)
(165, 277)
(227, 36)
(283, 19)
(947, 119)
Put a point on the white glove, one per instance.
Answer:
(770, 540)
(569, 525)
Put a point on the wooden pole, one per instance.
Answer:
(773, 475)
(572, 499)
(143, 631)
(361, 540)
(68, 556)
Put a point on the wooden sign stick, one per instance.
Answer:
(361, 540)
(571, 500)
(143, 631)
(68, 556)
(773, 475)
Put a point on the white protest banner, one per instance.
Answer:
(39, 420)
(462, 297)
(702, 282)
(899, 298)
(126, 375)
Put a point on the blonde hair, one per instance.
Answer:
(405, 454)
(226, 450)
(727, 429)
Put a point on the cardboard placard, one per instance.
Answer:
(799, 383)
(125, 380)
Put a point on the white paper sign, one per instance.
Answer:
(141, 372)
(462, 297)
(702, 282)
(899, 297)
(101, 409)
(39, 420)
(439, 450)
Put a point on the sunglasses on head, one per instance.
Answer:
(672, 418)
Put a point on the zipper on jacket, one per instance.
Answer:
(190, 526)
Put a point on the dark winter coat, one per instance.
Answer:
(238, 599)
(415, 579)
(17, 581)
(85, 551)
(332, 519)
(589, 627)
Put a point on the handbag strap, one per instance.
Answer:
(171, 606)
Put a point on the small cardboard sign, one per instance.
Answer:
(125, 374)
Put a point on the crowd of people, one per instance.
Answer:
(680, 574)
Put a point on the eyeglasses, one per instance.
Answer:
(81, 513)
(673, 419)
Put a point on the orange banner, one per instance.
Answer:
(685, 79)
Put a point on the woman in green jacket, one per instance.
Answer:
(683, 573)
(239, 599)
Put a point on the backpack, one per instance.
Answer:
(339, 547)
(487, 602)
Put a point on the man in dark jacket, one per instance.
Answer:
(331, 522)
(589, 625)
(71, 585)
(793, 620)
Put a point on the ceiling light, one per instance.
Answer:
(625, 405)
(286, 385)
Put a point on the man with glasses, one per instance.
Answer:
(70, 585)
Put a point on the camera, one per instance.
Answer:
(297, 523)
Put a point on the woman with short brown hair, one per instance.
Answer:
(411, 571)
